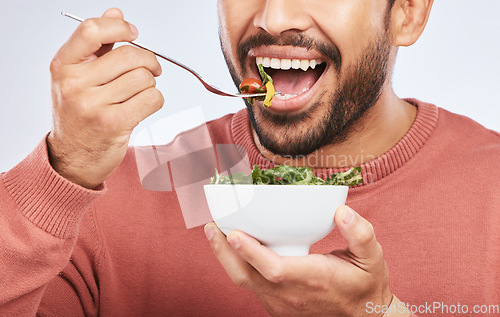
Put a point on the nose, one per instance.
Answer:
(278, 16)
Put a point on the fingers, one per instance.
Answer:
(274, 268)
(359, 234)
(126, 86)
(110, 13)
(106, 68)
(240, 272)
(263, 259)
(92, 34)
(113, 13)
(138, 108)
(99, 97)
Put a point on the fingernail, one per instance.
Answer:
(133, 29)
(209, 231)
(234, 240)
(348, 215)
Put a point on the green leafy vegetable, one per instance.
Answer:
(266, 86)
(267, 81)
(265, 77)
(288, 175)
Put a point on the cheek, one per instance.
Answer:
(235, 21)
(350, 25)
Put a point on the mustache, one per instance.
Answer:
(330, 51)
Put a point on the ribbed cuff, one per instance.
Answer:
(47, 199)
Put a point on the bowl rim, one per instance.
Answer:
(278, 186)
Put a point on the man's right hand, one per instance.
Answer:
(99, 96)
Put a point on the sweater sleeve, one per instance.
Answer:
(40, 213)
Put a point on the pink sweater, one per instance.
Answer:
(123, 250)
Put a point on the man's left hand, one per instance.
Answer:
(340, 283)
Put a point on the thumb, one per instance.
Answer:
(358, 232)
(110, 13)
(113, 13)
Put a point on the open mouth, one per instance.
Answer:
(292, 77)
(297, 72)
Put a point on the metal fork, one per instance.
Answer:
(208, 86)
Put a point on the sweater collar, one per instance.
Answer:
(372, 171)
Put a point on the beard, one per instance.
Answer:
(324, 123)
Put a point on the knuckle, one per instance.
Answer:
(82, 106)
(280, 310)
(241, 280)
(295, 302)
(149, 61)
(152, 80)
(70, 86)
(86, 110)
(275, 276)
(142, 75)
(89, 29)
(366, 233)
(148, 56)
(216, 247)
(153, 62)
(155, 97)
(107, 121)
(380, 254)
(139, 58)
(55, 66)
(128, 52)
(316, 284)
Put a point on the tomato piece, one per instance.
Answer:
(252, 86)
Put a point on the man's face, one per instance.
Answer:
(328, 58)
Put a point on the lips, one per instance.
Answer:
(296, 73)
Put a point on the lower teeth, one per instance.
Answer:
(285, 96)
(289, 96)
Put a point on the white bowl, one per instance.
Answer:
(286, 218)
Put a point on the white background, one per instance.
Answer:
(454, 65)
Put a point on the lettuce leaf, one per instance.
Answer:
(288, 175)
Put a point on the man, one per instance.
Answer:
(82, 236)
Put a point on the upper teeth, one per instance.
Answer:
(286, 64)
